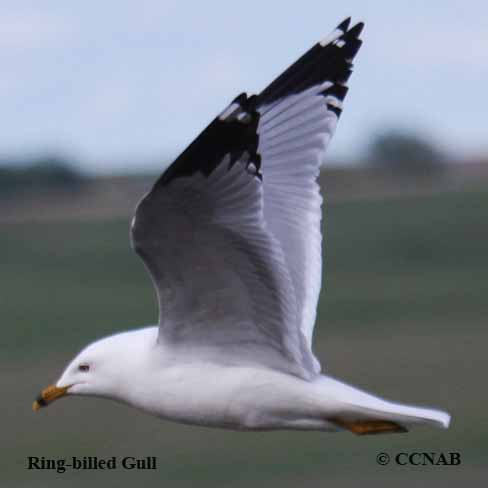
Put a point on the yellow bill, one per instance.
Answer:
(48, 395)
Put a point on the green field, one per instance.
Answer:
(403, 312)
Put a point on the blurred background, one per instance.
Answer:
(96, 100)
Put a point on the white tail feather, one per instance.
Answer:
(356, 404)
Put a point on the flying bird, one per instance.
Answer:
(230, 235)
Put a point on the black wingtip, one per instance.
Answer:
(356, 30)
(344, 25)
(328, 60)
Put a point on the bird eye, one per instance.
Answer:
(84, 368)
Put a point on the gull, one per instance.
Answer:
(230, 235)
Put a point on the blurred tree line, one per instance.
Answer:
(38, 173)
(405, 153)
(396, 151)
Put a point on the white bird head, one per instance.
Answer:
(102, 368)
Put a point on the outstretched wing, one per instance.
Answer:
(298, 116)
(230, 233)
(223, 287)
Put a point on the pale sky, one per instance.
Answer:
(117, 83)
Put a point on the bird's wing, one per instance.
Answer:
(223, 287)
(298, 115)
(230, 232)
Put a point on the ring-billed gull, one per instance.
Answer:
(230, 234)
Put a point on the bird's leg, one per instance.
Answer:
(365, 427)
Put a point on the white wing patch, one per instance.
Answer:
(332, 37)
(229, 111)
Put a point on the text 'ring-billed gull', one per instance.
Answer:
(230, 234)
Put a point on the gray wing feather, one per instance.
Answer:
(298, 116)
(231, 232)
(294, 134)
(222, 282)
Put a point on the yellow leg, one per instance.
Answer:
(365, 427)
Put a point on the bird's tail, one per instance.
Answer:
(389, 417)
(363, 413)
